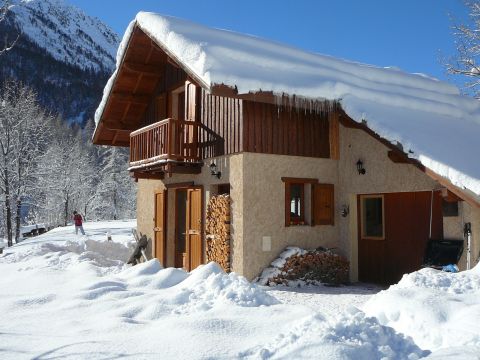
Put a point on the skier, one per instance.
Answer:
(77, 218)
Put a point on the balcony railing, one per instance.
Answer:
(173, 140)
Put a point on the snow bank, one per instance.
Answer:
(437, 309)
(204, 288)
(428, 117)
(349, 336)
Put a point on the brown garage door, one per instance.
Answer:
(393, 232)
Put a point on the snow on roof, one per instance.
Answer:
(432, 121)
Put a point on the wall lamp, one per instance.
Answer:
(344, 210)
(214, 171)
(360, 168)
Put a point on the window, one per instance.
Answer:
(306, 202)
(297, 203)
(373, 226)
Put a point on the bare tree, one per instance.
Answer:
(466, 62)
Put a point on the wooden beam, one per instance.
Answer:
(334, 135)
(398, 157)
(454, 189)
(155, 70)
(143, 99)
(173, 62)
(147, 175)
(185, 184)
(120, 125)
(300, 180)
(188, 169)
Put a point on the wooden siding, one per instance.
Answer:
(158, 108)
(247, 126)
(284, 130)
(223, 116)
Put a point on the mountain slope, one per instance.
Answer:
(65, 55)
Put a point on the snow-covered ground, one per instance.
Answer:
(68, 296)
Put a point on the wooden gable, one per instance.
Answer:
(142, 67)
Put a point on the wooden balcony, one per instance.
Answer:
(170, 146)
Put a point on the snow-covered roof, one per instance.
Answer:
(432, 121)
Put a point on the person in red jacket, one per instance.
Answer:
(77, 218)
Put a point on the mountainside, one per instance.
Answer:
(65, 55)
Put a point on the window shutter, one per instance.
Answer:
(323, 204)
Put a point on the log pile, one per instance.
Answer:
(218, 230)
(312, 267)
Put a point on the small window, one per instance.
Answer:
(449, 208)
(373, 226)
(294, 203)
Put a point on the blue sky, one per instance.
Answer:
(413, 35)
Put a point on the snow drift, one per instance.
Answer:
(418, 112)
(437, 309)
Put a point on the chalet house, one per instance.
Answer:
(312, 150)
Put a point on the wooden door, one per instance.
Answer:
(159, 229)
(194, 228)
(397, 245)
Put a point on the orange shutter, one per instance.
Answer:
(323, 204)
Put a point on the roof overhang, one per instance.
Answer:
(398, 156)
(141, 68)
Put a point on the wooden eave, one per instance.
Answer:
(142, 67)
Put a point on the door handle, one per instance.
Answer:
(157, 229)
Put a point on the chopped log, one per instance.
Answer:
(218, 230)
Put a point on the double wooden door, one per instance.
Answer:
(188, 228)
(393, 232)
(188, 242)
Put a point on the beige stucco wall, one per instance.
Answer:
(264, 204)
(231, 169)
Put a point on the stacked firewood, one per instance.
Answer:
(313, 266)
(218, 231)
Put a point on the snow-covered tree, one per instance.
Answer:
(116, 190)
(23, 126)
(466, 62)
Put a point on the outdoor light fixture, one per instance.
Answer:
(213, 170)
(360, 168)
(345, 210)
